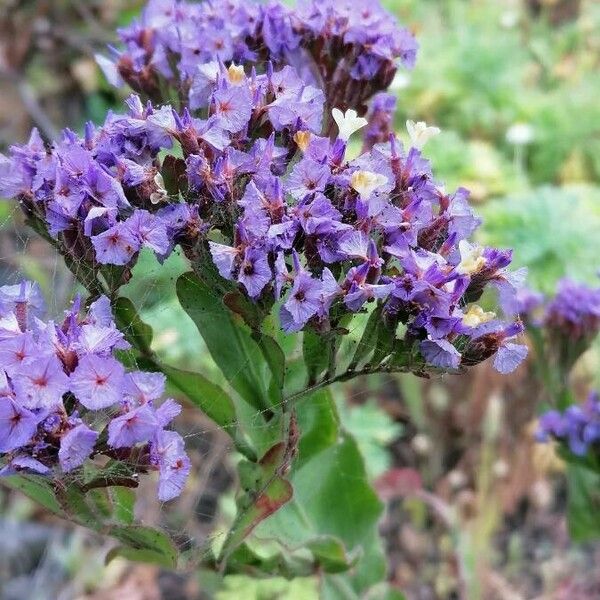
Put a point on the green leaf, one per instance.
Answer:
(143, 544)
(129, 322)
(583, 504)
(330, 474)
(275, 358)
(369, 338)
(229, 341)
(331, 554)
(315, 355)
(38, 489)
(212, 400)
(270, 492)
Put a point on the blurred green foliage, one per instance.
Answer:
(485, 66)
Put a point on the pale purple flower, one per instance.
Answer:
(440, 353)
(17, 425)
(137, 425)
(41, 383)
(141, 388)
(255, 272)
(115, 246)
(97, 382)
(173, 463)
(76, 446)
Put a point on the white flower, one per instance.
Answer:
(366, 182)
(161, 193)
(476, 316)
(347, 122)
(420, 133)
(400, 82)
(520, 134)
(471, 258)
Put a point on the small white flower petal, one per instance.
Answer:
(348, 122)
(420, 133)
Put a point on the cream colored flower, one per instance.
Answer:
(366, 182)
(476, 316)
(348, 122)
(236, 74)
(471, 258)
(420, 133)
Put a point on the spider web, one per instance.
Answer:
(199, 518)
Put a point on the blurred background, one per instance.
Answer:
(514, 86)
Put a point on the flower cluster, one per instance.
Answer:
(333, 43)
(282, 212)
(64, 398)
(574, 312)
(577, 426)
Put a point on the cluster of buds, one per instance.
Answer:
(348, 48)
(65, 399)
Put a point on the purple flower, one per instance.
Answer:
(173, 463)
(137, 425)
(115, 246)
(44, 362)
(574, 311)
(440, 353)
(509, 357)
(233, 107)
(578, 426)
(255, 272)
(224, 258)
(41, 383)
(149, 231)
(304, 299)
(141, 388)
(17, 352)
(23, 463)
(76, 446)
(17, 425)
(308, 177)
(97, 382)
